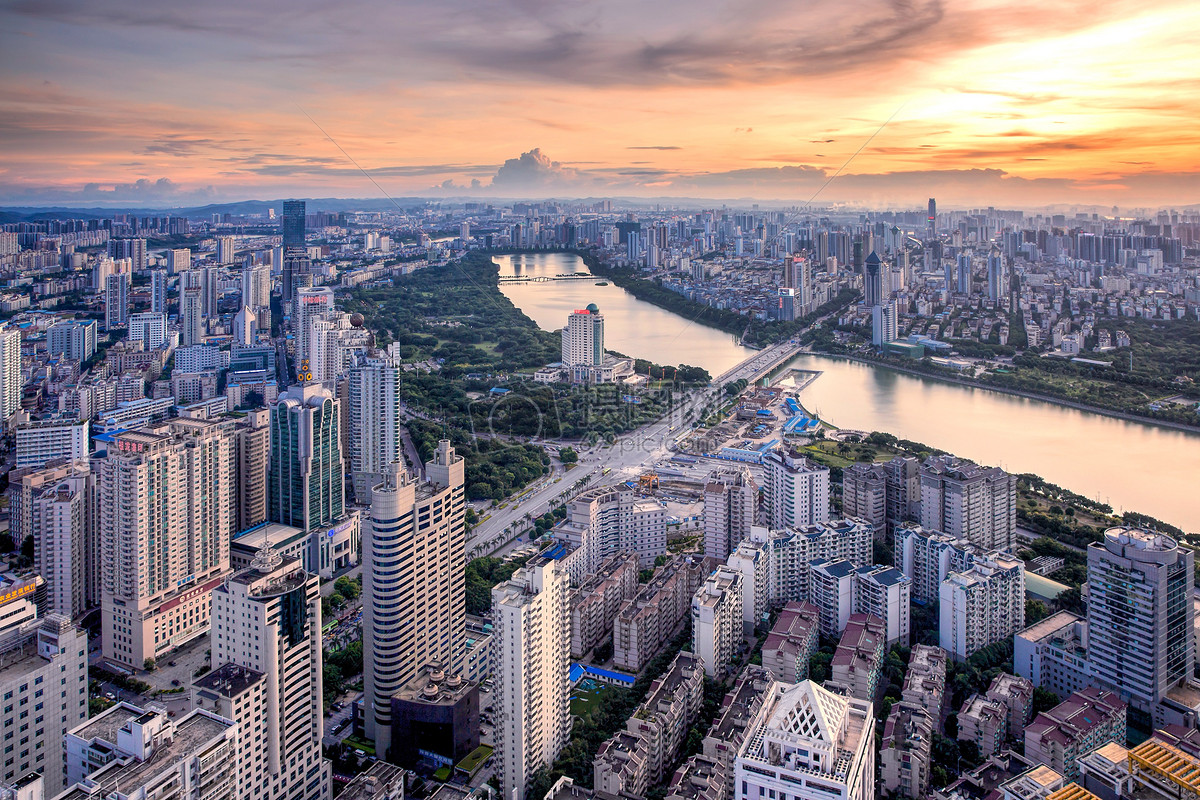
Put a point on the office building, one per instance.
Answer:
(310, 303)
(245, 327)
(375, 418)
(73, 338)
(45, 440)
(11, 383)
(583, 338)
(717, 634)
(252, 437)
(807, 743)
(595, 603)
(931, 231)
(116, 301)
(45, 685)
(1052, 654)
(730, 506)
(858, 660)
(531, 614)
(982, 605)
(414, 590)
(796, 491)
(166, 501)
(149, 328)
(1083, 722)
(434, 717)
(873, 293)
(969, 502)
(127, 753)
(1141, 620)
(793, 640)
(65, 540)
(191, 315)
(292, 225)
(885, 323)
(266, 651)
(295, 275)
(306, 471)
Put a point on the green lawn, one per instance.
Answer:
(583, 701)
(360, 744)
(475, 759)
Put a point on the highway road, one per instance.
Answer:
(624, 459)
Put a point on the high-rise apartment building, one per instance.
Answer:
(982, 605)
(795, 490)
(116, 300)
(730, 506)
(191, 315)
(996, 279)
(414, 591)
(10, 371)
(158, 291)
(266, 648)
(65, 540)
(73, 338)
(807, 743)
(245, 327)
(969, 502)
(44, 440)
(149, 328)
(306, 472)
(166, 494)
(132, 249)
(1141, 635)
(45, 688)
(614, 519)
(226, 249)
(717, 621)
(928, 557)
(256, 286)
(179, 261)
(310, 302)
(375, 441)
(531, 650)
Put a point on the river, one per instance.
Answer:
(1129, 465)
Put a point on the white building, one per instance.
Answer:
(74, 338)
(166, 512)
(191, 315)
(414, 585)
(604, 521)
(266, 640)
(982, 605)
(200, 358)
(790, 551)
(796, 491)
(1052, 653)
(583, 338)
(969, 502)
(40, 441)
(753, 561)
(375, 441)
(65, 541)
(116, 300)
(717, 633)
(885, 592)
(807, 743)
(149, 328)
(335, 344)
(928, 557)
(531, 665)
(730, 505)
(11, 382)
(45, 687)
(310, 302)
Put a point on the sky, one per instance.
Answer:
(879, 103)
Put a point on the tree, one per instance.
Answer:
(1043, 700)
(568, 456)
(1035, 611)
(1070, 600)
(7, 545)
(149, 665)
(27, 547)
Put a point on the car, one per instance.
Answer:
(110, 695)
(358, 752)
(176, 682)
(172, 664)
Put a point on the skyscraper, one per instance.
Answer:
(968, 501)
(267, 677)
(292, 277)
(165, 515)
(873, 280)
(932, 234)
(226, 251)
(532, 651)
(306, 475)
(10, 371)
(375, 441)
(583, 338)
(309, 303)
(64, 536)
(963, 285)
(252, 434)
(995, 276)
(116, 300)
(1141, 636)
(796, 491)
(191, 316)
(256, 286)
(158, 291)
(292, 225)
(414, 591)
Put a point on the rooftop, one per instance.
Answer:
(229, 680)
(367, 784)
(191, 734)
(1044, 629)
(104, 726)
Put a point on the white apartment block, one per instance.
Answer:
(310, 302)
(374, 406)
(790, 551)
(149, 328)
(11, 382)
(753, 561)
(928, 557)
(730, 510)
(885, 592)
(200, 358)
(334, 344)
(166, 513)
(717, 632)
(796, 491)
(806, 743)
(414, 529)
(43, 440)
(266, 644)
(982, 605)
(44, 682)
(73, 338)
(604, 521)
(531, 614)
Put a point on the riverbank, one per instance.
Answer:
(1045, 398)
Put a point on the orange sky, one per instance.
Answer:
(990, 103)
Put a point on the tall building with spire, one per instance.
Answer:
(414, 590)
(932, 230)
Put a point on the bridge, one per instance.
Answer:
(547, 278)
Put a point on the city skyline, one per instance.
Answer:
(987, 104)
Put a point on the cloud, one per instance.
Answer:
(143, 191)
(533, 170)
